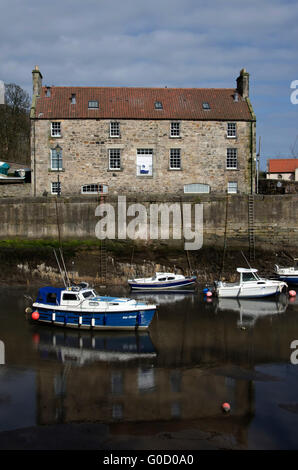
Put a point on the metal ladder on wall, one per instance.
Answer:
(251, 226)
(103, 255)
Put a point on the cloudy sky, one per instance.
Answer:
(189, 43)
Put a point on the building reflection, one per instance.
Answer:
(118, 380)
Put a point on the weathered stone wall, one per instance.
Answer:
(276, 222)
(85, 146)
(15, 190)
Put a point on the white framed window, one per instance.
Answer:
(114, 129)
(232, 187)
(198, 188)
(56, 160)
(232, 159)
(231, 130)
(56, 187)
(144, 162)
(55, 129)
(114, 159)
(175, 159)
(175, 129)
(73, 99)
(92, 104)
(94, 188)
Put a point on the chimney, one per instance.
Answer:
(2, 92)
(36, 81)
(243, 84)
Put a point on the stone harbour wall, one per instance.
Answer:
(224, 217)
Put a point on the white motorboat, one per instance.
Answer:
(250, 284)
(162, 281)
(288, 274)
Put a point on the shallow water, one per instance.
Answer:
(61, 388)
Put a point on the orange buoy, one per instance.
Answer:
(35, 315)
(292, 293)
(226, 407)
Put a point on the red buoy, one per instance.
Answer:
(209, 293)
(35, 315)
(292, 293)
(226, 407)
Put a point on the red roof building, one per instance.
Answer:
(283, 168)
(175, 140)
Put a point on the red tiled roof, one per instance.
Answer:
(138, 103)
(283, 165)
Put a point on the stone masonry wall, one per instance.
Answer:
(276, 223)
(85, 145)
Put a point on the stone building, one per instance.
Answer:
(159, 140)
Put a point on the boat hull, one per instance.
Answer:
(120, 320)
(247, 292)
(293, 280)
(162, 285)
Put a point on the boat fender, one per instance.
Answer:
(205, 290)
(226, 407)
(28, 310)
(35, 315)
(209, 294)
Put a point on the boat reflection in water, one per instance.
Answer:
(164, 297)
(250, 310)
(82, 348)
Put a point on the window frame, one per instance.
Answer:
(234, 134)
(104, 188)
(54, 133)
(113, 123)
(58, 183)
(232, 158)
(91, 106)
(110, 156)
(172, 157)
(146, 152)
(235, 183)
(59, 160)
(175, 133)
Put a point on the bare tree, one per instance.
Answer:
(15, 125)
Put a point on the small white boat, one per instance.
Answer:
(250, 284)
(11, 179)
(289, 274)
(162, 281)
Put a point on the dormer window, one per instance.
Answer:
(48, 92)
(206, 105)
(158, 105)
(93, 104)
(73, 99)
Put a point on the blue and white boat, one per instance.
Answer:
(80, 307)
(162, 281)
(289, 274)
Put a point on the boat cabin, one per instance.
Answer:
(73, 295)
(248, 274)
